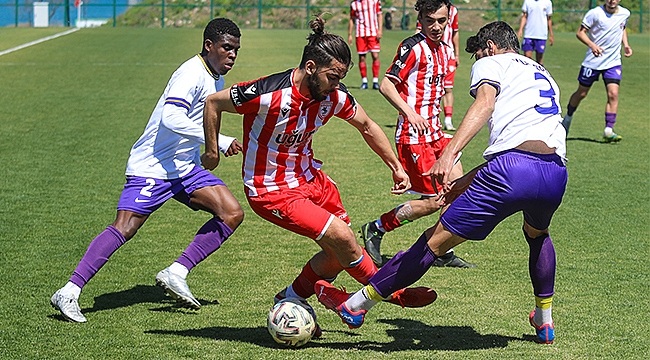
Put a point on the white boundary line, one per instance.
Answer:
(38, 41)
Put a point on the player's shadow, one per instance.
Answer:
(136, 295)
(407, 335)
(415, 335)
(586, 139)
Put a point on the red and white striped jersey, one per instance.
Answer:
(417, 71)
(364, 13)
(279, 124)
(452, 27)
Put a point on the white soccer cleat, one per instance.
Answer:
(68, 306)
(176, 287)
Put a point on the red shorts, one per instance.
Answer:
(307, 210)
(419, 158)
(367, 44)
(448, 82)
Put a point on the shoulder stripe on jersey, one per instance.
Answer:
(244, 92)
(344, 88)
(408, 44)
(178, 102)
(494, 84)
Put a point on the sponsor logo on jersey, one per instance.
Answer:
(415, 157)
(284, 111)
(234, 95)
(138, 200)
(296, 137)
(435, 79)
(403, 50)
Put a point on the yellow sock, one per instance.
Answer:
(373, 294)
(544, 303)
(543, 314)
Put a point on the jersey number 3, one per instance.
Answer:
(550, 93)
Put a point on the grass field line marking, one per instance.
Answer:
(38, 41)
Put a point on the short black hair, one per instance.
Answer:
(501, 34)
(322, 47)
(425, 7)
(217, 28)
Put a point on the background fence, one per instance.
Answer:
(270, 14)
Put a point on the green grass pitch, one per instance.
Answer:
(72, 107)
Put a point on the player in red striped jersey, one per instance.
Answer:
(365, 21)
(451, 37)
(414, 85)
(283, 180)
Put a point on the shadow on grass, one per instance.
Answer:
(137, 295)
(585, 139)
(406, 334)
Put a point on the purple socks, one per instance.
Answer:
(541, 264)
(610, 119)
(97, 254)
(404, 268)
(207, 240)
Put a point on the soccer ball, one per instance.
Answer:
(290, 322)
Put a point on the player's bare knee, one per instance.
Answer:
(233, 218)
(128, 230)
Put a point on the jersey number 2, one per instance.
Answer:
(550, 93)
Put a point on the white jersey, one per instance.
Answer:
(170, 146)
(605, 30)
(537, 13)
(527, 103)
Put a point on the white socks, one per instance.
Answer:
(72, 289)
(178, 269)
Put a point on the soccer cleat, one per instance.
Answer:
(375, 86)
(449, 127)
(612, 138)
(364, 86)
(451, 260)
(545, 332)
(413, 297)
(372, 241)
(176, 287)
(68, 306)
(282, 294)
(334, 299)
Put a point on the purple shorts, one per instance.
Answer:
(512, 181)
(145, 195)
(538, 45)
(588, 76)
